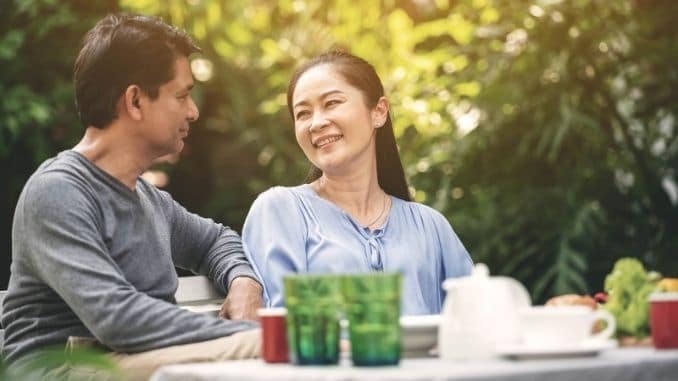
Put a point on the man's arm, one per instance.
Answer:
(205, 247)
(61, 227)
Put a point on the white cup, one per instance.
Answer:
(558, 326)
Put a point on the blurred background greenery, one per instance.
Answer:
(544, 130)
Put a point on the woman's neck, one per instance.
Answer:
(359, 194)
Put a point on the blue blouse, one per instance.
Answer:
(293, 230)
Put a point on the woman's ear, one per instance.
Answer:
(380, 112)
(131, 102)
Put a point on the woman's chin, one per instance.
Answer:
(329, 163)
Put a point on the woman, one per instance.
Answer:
(355, 215)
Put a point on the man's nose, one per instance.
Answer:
(193, 113)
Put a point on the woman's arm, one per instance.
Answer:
(274, 237)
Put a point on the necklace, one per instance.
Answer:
(381, 213)
(384, 205)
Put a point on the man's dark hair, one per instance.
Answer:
(121, 50)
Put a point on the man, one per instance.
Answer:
(94, 246)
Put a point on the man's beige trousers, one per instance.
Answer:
(140, 366)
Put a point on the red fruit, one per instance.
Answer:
(600, 297)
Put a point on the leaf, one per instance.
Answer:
(542, 282)
(399, 21)
(10, 43)
(469, 89)
(489, 15)
(223, 48)
(214, 16)
(460, 29)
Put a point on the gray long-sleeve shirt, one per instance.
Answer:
(91, 257)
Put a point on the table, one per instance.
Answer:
(614, 365)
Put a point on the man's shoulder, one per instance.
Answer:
(55, 181)
(61, 167)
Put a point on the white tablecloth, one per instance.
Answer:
(614, 365)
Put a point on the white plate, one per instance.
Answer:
(587, 348)
(419, 334)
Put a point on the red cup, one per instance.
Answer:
(664, 319)
(273, 334)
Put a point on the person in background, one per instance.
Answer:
(94, 246)
(355, 214)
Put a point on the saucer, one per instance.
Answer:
(583, 349)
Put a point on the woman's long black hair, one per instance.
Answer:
(361, 75)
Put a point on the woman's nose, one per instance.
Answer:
(318, 122)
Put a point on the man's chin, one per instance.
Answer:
(179, 146)
(174, 150)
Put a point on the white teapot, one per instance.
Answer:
(480, 313)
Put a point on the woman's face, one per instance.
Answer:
(333, 125)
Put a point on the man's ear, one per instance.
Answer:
(380, 112)
(131, 101)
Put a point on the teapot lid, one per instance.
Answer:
(480, 270)
(480, 273)
(481, 281)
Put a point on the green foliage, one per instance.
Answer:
(628, 287)
(39, 41)
(562, 150)
(57, 364)
(545, 131)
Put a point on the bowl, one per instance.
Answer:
(419, 334)
(664, 319)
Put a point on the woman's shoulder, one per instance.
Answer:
(277, 209)
(281, 198)
(282, 193)
(420, 210)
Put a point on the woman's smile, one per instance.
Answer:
(326, 140)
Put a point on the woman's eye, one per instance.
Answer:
(301, 114)
(331, 102)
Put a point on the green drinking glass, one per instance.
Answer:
(314, 309)
(373, 311)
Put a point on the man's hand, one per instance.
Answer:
(242, 300)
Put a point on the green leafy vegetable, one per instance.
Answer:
(628, 287)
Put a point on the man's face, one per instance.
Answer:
(166, 118)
